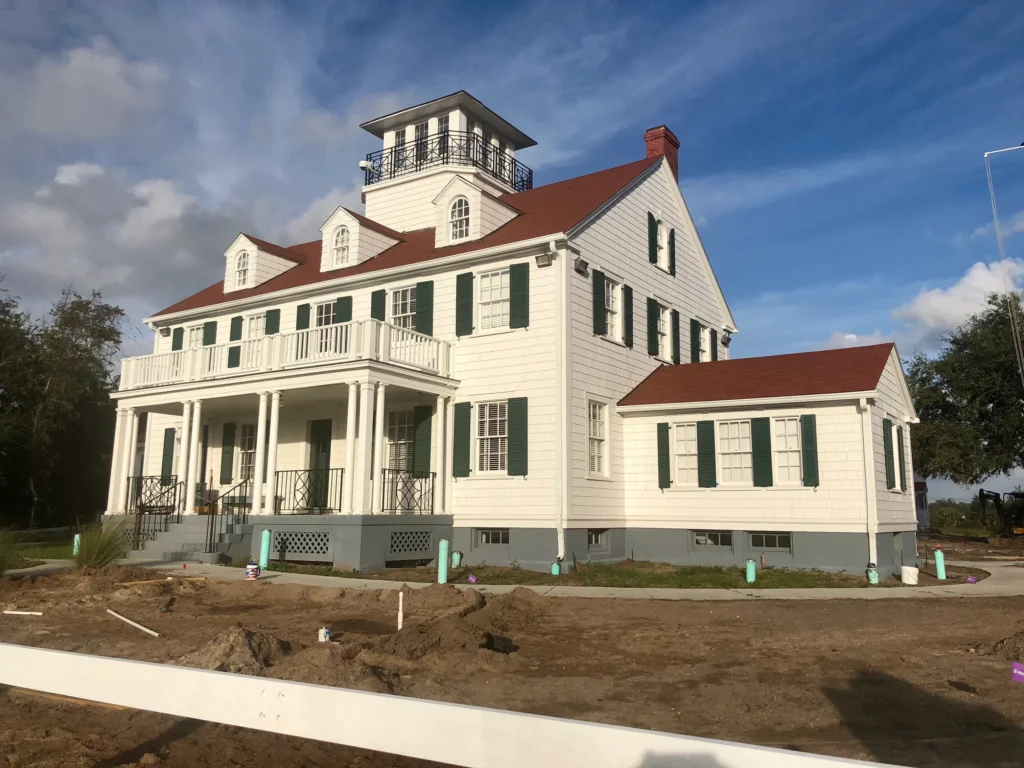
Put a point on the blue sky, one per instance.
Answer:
(831, 152)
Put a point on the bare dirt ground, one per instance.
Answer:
(911, 682)
(970, 547)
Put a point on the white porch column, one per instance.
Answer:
(114, 489)
(439, 450)
(260, 464)
(131, 436)
(376, 476)
(449, 458)
(348, 482)
(193, 457)
(183, 443)
(275, 419)
(361, 504)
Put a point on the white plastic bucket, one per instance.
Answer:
(908, 575)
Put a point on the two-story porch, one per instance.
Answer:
(306, 434)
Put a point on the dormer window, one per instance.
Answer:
(242, 270)
(340, 247)
(459, 219)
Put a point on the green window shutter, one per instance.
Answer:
(761, 449)
(425, 307)
(519, 296)
(890, 469)
(518, 428)
(236, 329)
(672, 253)
(209, 333)
(694, 341)
(272, 324)
(652, 327)
(177, 339)
(378, 305)
(167, 460)
(706, 474)
(652, 238)
(460, 439)
(903, 457)
(664, 463)
(600, 317)
(464, 306)
(343, 309)
(675, 337)
(227, 454)
(809, 449)
(627, 316)
(302, 317)
(422, 419)
(234, 357)
(714, 344)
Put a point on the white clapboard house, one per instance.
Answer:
(536, 373)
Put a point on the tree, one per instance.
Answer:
(56, 416)
(970, 400)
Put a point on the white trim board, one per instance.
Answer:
(753, 402)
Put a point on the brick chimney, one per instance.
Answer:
(661, 141)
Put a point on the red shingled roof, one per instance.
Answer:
(830, 371)
(545, 210)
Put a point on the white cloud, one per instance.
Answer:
(75, 173)
(843, 340)
(1013, 226)
(937, 310)
(88, 92)
(306, 226)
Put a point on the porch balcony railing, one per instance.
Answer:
(343, 342)
(308, 491)
(448, 148)
(407, 492)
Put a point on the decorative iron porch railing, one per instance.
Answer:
(448, 148)
(308, 491)
(230, 509)
(153, 501)
(407, 492)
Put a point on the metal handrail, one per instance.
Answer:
(153, 500)
(448, 148)
(407, 492)
(231, 508)
(308, 491)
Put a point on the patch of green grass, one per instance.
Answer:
(9, 556)
(973, 533)
(46, 550)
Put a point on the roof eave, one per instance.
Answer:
(751, 402)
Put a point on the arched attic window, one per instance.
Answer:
(341, 246)
(459, 219)
(242, 270)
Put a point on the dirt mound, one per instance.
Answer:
(108, 578)
(441, 600)
(513, 610)
(1010, 648)
(237, 650)
(329, 664)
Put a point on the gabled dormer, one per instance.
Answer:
(466, 212)
(250, 261)
(424, 147)
(349, 239)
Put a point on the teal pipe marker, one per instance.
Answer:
(456, 559)
(940, 564)
(442, 562)
(556, 569)
(751, 572)
(264, 549)
(872, 574)
(77, 545)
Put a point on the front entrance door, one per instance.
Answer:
(319, 463)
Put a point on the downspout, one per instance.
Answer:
(870, 492)
(564, 411)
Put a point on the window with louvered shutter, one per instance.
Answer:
(686, 454)
(492, 437)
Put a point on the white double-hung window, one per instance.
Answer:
(735, 457)
(492, 436)
(195, 337)
(494, 299)
(787, 451)
(255, 326)
(686, 454)
(663, 339)
(247, 451)
(597, 438)
(613, 309)
(403, 307)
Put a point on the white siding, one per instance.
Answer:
(837, 504)
(894, 507)
(363, 243)
(616, 243)
(406, 203)
(262, 265)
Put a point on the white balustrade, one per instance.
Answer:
(366, 339)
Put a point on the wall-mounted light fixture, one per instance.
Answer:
(580, 265)
(546, 258)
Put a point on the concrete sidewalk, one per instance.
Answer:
(1007, 579)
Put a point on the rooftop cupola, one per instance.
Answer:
(425, 147)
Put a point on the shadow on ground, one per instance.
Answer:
(156, 746)
(901, 724)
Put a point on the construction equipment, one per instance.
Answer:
(1009, 511)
